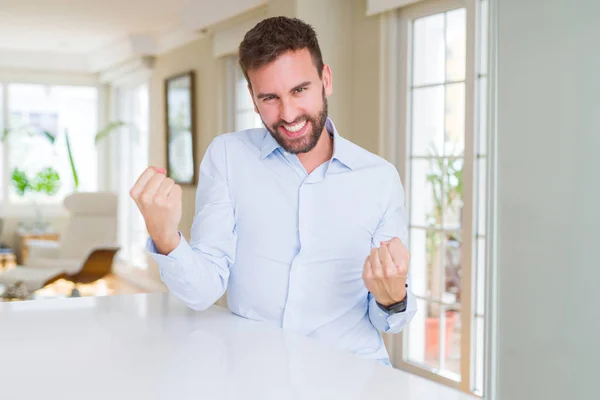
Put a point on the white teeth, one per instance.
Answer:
(295, 127)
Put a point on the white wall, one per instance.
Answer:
(549, 199)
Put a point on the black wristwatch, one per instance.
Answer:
(395, 308)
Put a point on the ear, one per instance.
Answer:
(327, 80)
(252, 97)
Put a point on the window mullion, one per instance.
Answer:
(468, 197)
(402, 102)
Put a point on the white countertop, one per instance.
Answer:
(151, 346)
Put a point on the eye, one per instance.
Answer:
(267, 98)
(300, 89)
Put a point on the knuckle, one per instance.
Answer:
(177, 189)
(146, 199)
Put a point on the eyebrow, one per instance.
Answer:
(303, 84)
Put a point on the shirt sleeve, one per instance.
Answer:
(197, 272)
(394, 223)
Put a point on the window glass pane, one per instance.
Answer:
(434, 250)
(451, 342)
(243, 100)
(452, 193)
(456, 44)
(426, 181)
(481, 174)
(479, 353)
(420, 338)
(455, 120)
(428, 121)
(59, 110)
(483, 37)
(430, 346)
(2, 128)
(132, 107)
(419, 260)
(247, 120)
(452, 270)
(429, 48)
(480, 274)
(139, 160)
(245, 116)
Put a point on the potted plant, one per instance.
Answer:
(51, 137)
(44, 182)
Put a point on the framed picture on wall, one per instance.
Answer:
(181, 128)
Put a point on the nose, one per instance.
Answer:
(288, 111)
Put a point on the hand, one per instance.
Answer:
(385, 272)
(159, 200)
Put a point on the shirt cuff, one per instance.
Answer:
(396, 322)
(177, 256)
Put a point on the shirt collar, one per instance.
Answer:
(342, 151)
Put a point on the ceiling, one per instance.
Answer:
(91, 29)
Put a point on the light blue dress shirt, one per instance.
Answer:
(289, 247)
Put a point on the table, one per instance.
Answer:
(151, 347)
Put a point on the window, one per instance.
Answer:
(31, 109)
(245, 116)
(130, 145)
(443, 149)
(3, 113)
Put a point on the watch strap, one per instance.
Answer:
(396, 307)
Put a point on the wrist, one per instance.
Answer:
(391, 307)
(165, 244)
(388, 300)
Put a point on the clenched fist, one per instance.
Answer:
(385, 272)
(159, 200)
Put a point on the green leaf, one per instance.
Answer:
(5, 133)
(46, 181)
(20, 181)
(107, 130)
(71, 161)
(49, 136)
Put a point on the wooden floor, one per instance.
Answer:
(111, 285)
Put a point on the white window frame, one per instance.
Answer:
(394, 146)
(112, 156)
(232, 74)
(8, 209)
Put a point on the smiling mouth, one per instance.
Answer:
(295, 130)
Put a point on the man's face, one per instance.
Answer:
(291, 99)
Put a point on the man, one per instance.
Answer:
(302, 227)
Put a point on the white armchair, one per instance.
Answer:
(86, 249)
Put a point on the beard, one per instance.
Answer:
(309, 140)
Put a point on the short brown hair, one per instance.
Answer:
(274, 36)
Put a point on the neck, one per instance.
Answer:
(322, 152)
